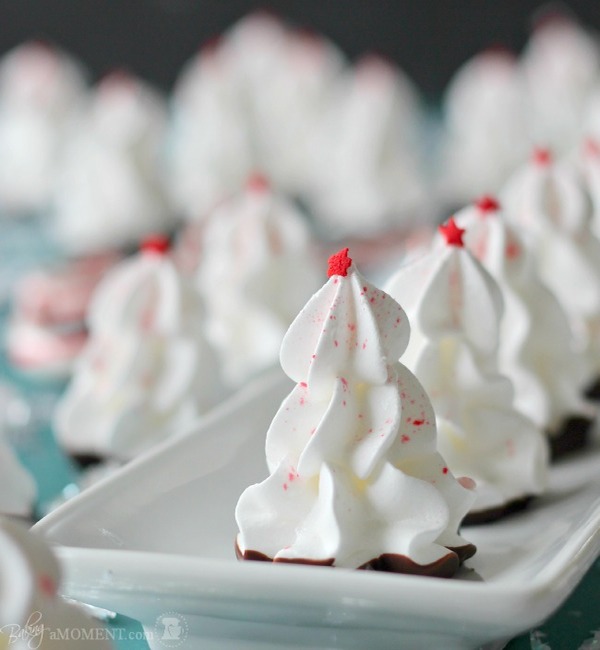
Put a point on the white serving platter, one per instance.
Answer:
(157, 538)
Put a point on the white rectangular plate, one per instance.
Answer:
(158, 537)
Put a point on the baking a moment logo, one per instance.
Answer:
(170, 631)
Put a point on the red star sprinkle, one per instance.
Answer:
(500, 49)
(158, 244)
(211, 44)
(339, 263)
(487, 204)
(542, 157)
(452, 233)
(119, 77)
(258, 183)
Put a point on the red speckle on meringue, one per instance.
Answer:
(542, 157)
(487, 204)
(258, 183)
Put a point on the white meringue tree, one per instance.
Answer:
(147, 370)
(355, 477)
(547, 201)
(537, 348)
(455, 308)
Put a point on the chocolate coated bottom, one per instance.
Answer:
(493, 514)
(87, 460)
(573, 435)
(445, 567)
(593, 390)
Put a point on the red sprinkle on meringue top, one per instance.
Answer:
(156, 244)
(500, 50)
(339, 263)
(452, 233)
(308, 36)
(487, 203)
(211, 44)
(551, 17)
(257, 183)
(117, 78)
(542, 157)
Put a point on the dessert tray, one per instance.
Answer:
(155, 540)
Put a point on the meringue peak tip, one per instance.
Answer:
(307, 35)
(118, 75)
(339, 263)
(155, 244)
(211, 44)
(541, 156)
(42, 44)
(487, 203)
(257, 183)
(452, 233)
(553, 16)
(375, 60)
(502, 50)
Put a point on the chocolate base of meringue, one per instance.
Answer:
(498, 512)
(445, 567)
(593, 390)
(573, 435)
(84, 461)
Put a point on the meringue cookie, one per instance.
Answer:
(17, 488)
(591, 118)
(249, 100)
(210, 150)
(455, 308)
(286, 75)
(485, 131)
(561, 65)
(41, 91)
(32, 614)
(147, 371)
(366, 172)
(255, 272)
(109, 191)
(588, 160)
(46, 331)
(355, 478)
(537, 349)
(548, 203)
(252, 46)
